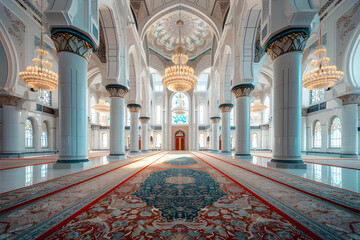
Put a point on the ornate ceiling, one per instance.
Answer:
(163, 35)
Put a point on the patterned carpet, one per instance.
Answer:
(178, 196)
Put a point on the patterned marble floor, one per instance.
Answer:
(187, 195)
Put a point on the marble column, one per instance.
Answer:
(285, 50)
(37, 130)
(303, 129)
(134, 127)
(11, 137)
(349, 125)
(144, 134)
(242, 94)
(225, 109)
(74, 51)
(264, 136)
(196, 131)
(117, 119)
(215, 133)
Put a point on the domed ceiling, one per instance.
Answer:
(163, 35)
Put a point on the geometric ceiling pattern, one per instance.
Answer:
(196, 35)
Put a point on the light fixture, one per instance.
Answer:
(39, 76)
(179, 109)
(324, 75)
(101, 107)
(179, 77)
(258, 106)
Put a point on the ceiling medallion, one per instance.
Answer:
(179, 77)
(39, 76)
(258, 106)
(101, 107)
(324, 75)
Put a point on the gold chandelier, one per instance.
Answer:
(258, 106)
(324, 75)
(39, 76)
(101, 107)
(179, 109)
(179, 77)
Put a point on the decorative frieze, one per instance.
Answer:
(144, 120)
(67, 40)
(350, 99)
(226, 107)
(117, 90)
(215, 119)
(242, 90)
(133, 107)
(292, 40)
(9, 100)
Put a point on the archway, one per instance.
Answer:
(180, 140)
(220, 142)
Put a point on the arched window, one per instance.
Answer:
(202, 140)
(158, 140)
(44, 97)
(28, 133)
(158, 114)
(201, 113)
(128, 120)
(104, 139)
(266, 112)
(180, 118)
(254, 140)
(232, 117)
(44, 135)
(317, 135)
(335, 133)
(317, 95)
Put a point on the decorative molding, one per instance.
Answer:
(144, 120)
(133, 107)
(9, 100)
(226, 107)
(215, 119)
(350, 99)
(259, 51)
(68, 40)
(101, 51)
(304, 112)
(16, 28)
(292, 40)
(117, 90)
(242, 90)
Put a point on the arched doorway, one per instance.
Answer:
(220, 142)
(139, 142)
(180, 140)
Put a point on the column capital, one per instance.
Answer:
(144, 120)
(69, 40)
(226, 107)
(242, 90)
(9, 100)
(133, 107)
(304, 112)
(215, 119)
(290, 40)
(350, 99)
(117, 90)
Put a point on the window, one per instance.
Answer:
(128, 117)
(317, 95)
(44, 135)
(232, 117)
(254, 140)
(202, 140)
(158, 114)
(104, 139)
(266, 112)
(180, 118)
(201, 113)
(44, 97)
(28, 133)
(317, 135)
(335, 133)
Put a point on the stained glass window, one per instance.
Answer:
(232, 117)
(44, 135)
(28, 133)
(44, 97)
(180, 118)
(317, 95)
(317, 135)
(335, 133)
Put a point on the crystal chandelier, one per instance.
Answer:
(39, 76)
(101, 107)
(179, 77)
(179, 109)
(258, 106)
(324, 75)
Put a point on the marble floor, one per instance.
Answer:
(211, 196)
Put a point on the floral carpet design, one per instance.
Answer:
(173, 200)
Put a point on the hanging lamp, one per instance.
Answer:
(258, 106)
(101, 107)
